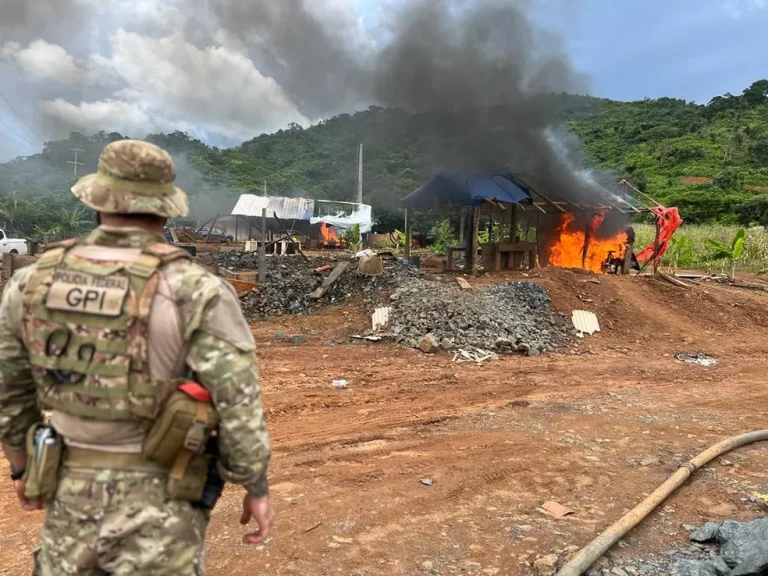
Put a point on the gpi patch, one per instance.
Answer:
(74, 291)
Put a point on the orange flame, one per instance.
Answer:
(568, 251)
(329, 236)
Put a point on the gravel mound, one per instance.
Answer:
(507, 318)
(290, 280)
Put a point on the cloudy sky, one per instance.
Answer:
(228, 70)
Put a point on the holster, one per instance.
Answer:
(178, 440)
(44, 451)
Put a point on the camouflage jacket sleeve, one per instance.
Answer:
(222, 356)
(18, 404)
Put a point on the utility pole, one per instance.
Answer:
(360, 177)
(75, 164)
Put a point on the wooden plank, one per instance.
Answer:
(463, 283)
(174, 236)
(673, 280)
(330, 280)
(241, 286)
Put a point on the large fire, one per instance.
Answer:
(569, 250)
(330, 238)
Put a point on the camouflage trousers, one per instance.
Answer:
(119, 522)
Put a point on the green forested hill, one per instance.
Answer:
(711, 161)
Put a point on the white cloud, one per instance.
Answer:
(169, 84)
(43, 60)
(738, 8)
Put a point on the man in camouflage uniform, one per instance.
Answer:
(115, 516)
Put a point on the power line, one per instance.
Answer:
(16, 141)
(22, 119)
(4, 123)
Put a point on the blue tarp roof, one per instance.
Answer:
(467, 189)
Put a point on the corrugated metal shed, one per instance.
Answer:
(286, 208)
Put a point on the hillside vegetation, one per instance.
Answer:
(709, 160)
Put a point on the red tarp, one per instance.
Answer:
(668, 220)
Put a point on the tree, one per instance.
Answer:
(757, 94)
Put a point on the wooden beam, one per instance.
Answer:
(330, 280)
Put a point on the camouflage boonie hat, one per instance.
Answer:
(134, 177)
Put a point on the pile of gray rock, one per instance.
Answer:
(290, 280)
(507, 318)
(718, 549)
(742, 550)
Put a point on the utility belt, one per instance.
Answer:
(182, 443)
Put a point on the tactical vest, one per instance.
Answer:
(86, 326)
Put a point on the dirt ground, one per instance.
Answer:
(595, 428)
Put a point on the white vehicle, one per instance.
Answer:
(12, 245)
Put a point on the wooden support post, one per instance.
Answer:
(471, 255)
(628, 253)
(408, 233)
(263, 248)
(537, 259)
(210, 228)
(499, 240)
(290, 238)
(656, 248)
(585, 248)
(462, 219)
(513, 224)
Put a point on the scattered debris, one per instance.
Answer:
(698, 358)
(314, 527)
(674, 280)
(340, 383)
(585, 322)
(340, 540)
(556, 509)
(380, 318)
(477, 355)
(427, 481)
(368, 338)
(290, 281)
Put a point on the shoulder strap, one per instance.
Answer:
(167, 253)
(54, 253)
(155, 256)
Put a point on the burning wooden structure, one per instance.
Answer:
(319, 223)
(528, 226)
